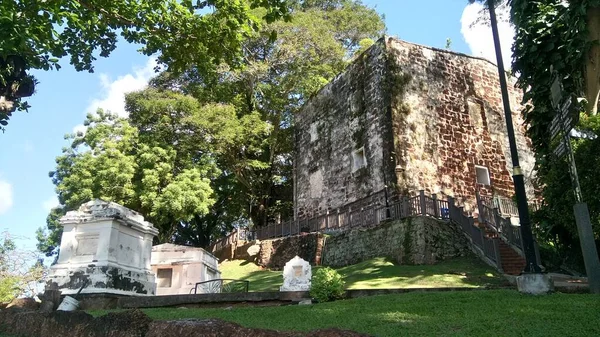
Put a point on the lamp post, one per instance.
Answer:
(519, 183)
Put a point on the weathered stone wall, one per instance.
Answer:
(418, 240)
(275, 253)
(448, 117)
(134, 323)
(425, 117)
(348, 114)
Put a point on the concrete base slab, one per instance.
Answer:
(535, 284)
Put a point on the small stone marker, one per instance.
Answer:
(296, 275)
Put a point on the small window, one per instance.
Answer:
(358, 159)
(164, 277)
(483, 175)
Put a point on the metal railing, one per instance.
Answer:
(487, 246)
(238, 234)
(364, 216)
(221, 285)
(492, 217)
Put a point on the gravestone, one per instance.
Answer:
(296, 275)
(105, 248)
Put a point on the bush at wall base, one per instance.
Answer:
(327, 285)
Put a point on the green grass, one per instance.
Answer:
(379, 273)
(461, 313)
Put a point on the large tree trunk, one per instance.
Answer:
(592, 66)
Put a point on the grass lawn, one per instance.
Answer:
(379, 273)
(464, 313)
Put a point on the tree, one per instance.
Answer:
(36, 34)
(563, 36)
(20, 270)
(235, 122)
(111, 162)
(278, 76)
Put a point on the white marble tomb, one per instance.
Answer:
(296, 275)
(108, 247)
(179, 268)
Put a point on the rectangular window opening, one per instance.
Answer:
(483, 175)
(164, 277)
(358, 159)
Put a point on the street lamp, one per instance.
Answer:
(519, 183)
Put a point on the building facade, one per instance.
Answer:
(412, 118)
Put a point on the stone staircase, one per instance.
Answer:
(512, 263)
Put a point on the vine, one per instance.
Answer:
(561, 36)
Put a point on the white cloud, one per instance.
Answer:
(50, 203)
(478, 33)
(113, 91)
(79, 128)
(6, 196)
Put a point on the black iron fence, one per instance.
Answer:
(488, 246)
(377, 210)
(491, 217)
(238, 234)
(350, 216)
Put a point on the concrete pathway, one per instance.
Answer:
(569, 282)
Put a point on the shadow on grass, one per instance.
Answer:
(380, 273)
(384, 273)
(471, 313)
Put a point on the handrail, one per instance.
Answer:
(360, 214)
(221, 286)
(372, 211)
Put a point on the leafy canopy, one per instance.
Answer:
(563, 36)
(201, 33)
(232, 126)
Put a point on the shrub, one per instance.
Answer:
(327, 285)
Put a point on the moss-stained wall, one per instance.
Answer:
(418, 240)
(425, 116)
(447, 117)
(349, 113)
(275, 253)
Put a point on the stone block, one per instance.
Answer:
(535, 284)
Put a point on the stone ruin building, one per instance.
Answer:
(410, 117)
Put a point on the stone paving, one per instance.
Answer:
(569, 282)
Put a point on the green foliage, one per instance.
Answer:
(49, 241)
(559, 35)
(209, 148)
(182, 33)
(113, 162)
(9, 288)
(555, 219)
(20, 270)
(255, 104)
(327, 285)
(448, 44)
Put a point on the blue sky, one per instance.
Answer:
(33, 140)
